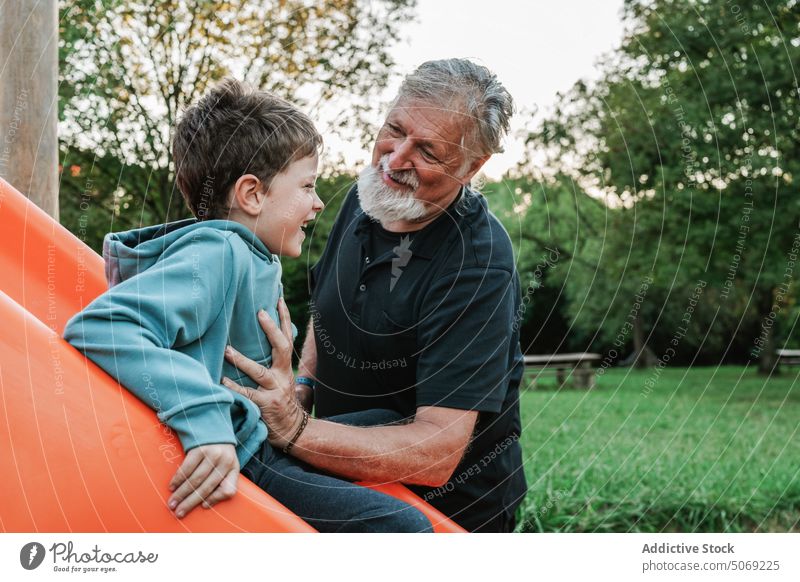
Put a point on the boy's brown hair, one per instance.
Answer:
(233, 131)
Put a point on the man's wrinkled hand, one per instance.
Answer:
(275, 393)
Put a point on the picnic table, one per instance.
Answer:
(787, 358)
(577, 367)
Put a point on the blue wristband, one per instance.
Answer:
(306, 381)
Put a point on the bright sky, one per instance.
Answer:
(536, 48)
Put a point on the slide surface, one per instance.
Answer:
(78, 452)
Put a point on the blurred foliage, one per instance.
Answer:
(550, 225)
(127, 70)
(690, 137)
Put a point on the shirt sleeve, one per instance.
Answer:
(131, 332)
(465, 333)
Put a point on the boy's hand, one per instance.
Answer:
(208, 475)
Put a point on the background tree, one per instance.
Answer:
(127, 69)
(691, 134)
(550, 221)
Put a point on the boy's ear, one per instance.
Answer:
(248, 194)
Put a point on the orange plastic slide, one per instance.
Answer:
(78, 452)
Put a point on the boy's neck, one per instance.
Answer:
(236, 215)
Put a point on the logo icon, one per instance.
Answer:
(402, 254)
(31, 555)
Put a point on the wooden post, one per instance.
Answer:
(29, 99)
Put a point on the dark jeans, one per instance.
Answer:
(328, 503)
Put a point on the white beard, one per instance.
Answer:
(386, 204)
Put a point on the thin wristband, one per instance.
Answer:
(297, 434)
(305, 381)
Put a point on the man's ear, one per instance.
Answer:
(474, 168)
(248, 195)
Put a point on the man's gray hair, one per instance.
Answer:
(464, 87)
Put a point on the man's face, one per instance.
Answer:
(418, 153)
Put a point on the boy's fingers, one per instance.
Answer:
(224, 491)
(221, 479)
(190, 485)
(196, 496)
(192, 500)
(188, 466)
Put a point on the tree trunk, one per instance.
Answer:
(29, 99)
(644, 356)
(766, 357)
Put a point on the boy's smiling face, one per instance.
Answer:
(290, 204)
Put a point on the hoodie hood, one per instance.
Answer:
(131, 252)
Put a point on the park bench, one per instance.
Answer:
(577, 368)
(787, 358)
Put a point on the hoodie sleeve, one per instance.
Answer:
(131, 332)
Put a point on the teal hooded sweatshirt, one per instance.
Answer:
(179, 293)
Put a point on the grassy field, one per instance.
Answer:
(708, 449)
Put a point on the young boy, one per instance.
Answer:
(246, 164)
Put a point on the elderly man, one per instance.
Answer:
(413, 309)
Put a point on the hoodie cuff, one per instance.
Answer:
(208, 424)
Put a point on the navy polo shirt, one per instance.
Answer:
(403, 320)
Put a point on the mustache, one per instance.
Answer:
(384, 203)
(407, 177)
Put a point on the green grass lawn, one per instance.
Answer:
(708, 449)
